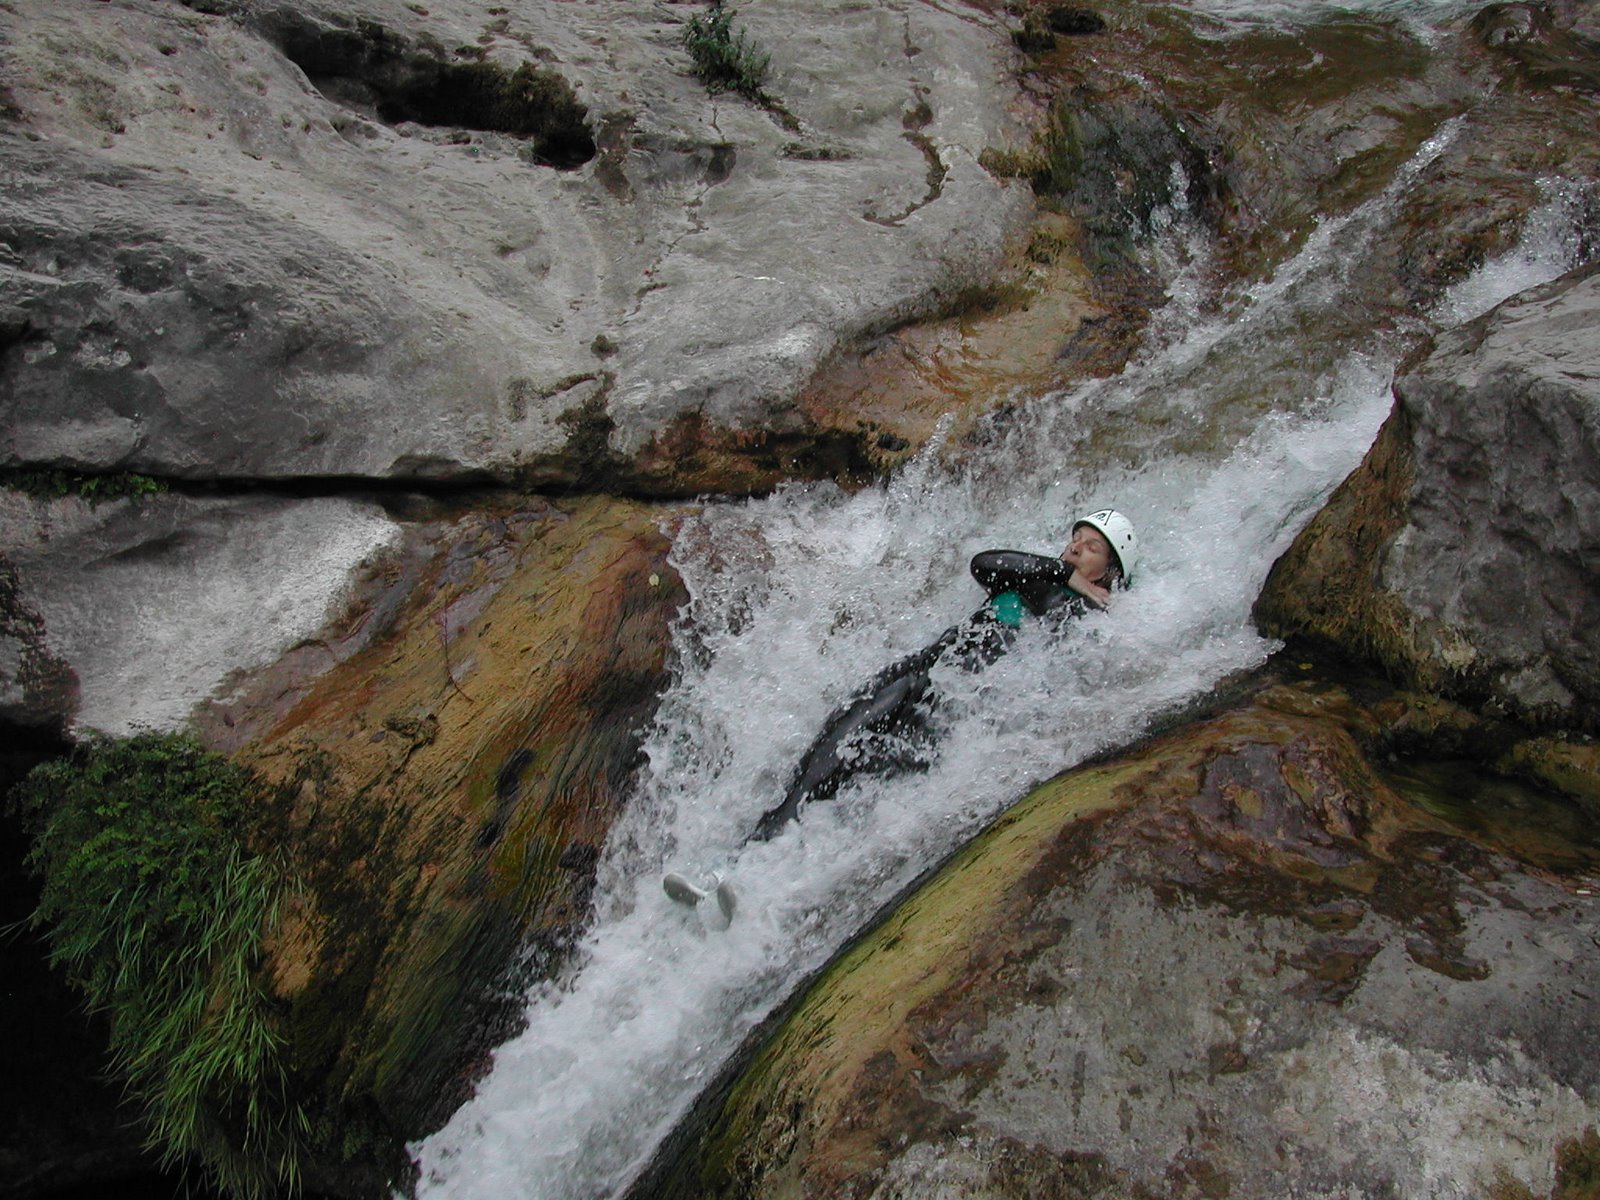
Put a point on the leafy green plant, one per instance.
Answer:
(155, 906)
(723, 59)
(96, 489)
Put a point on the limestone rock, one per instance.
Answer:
(1236, 962)
(1458, 555)
(340, 238)
(129, 613)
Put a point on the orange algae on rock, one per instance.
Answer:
(454, 781)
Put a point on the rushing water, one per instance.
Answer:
(1220, 441)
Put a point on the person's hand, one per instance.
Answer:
(1088, 589)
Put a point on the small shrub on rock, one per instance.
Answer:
(723, 59)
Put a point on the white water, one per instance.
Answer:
(1422, 17)
(1220, 443)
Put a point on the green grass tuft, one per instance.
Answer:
(155, 906)
(723, 59)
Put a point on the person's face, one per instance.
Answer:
(1088, 551)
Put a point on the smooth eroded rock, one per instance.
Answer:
(129, 613)
(1459, 554)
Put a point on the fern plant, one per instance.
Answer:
(156, 908)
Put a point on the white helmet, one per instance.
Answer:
(1118, 530)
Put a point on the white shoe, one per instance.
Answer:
(726, 900)
(680, 889)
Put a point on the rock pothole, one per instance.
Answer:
(382, 74)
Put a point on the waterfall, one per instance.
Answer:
(1219, 441)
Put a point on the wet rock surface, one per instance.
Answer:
(1550, 46)
(130, 613)
(437, 244)
(1458, 554)
(1160, 143)
(1258, 135)
(1238, 961)
(453, 779)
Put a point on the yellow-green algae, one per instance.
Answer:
(867, 995)
(1569, 766)
(454, 775)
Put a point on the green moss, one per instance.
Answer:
(156, 907)
(53, 485)
(1577, 1173)
(1060, 151)
(531, 101)
(1566, 765)
(1578, 1168)
(589, 427)
(1507, 1186)
(1035, 36)
(1110, 165)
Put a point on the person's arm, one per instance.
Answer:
(1017, 571)
(1038, 578)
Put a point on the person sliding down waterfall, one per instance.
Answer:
(886, 726)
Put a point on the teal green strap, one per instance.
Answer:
(1008, 608)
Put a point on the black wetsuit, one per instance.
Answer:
(886, 725)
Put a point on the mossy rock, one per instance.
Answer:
(1227, 925)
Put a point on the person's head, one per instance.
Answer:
(1104, 547)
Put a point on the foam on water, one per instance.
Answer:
(799, 597)
(1421, 16)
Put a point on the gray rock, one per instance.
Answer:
(37, 688)
(130, 613)
(1457, 556)
(233, 248)
(1412, 1084)
(1505, 509)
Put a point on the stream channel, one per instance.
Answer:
(1220, 440)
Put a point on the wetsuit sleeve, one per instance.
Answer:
(1011, 570)
(1041, 581)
